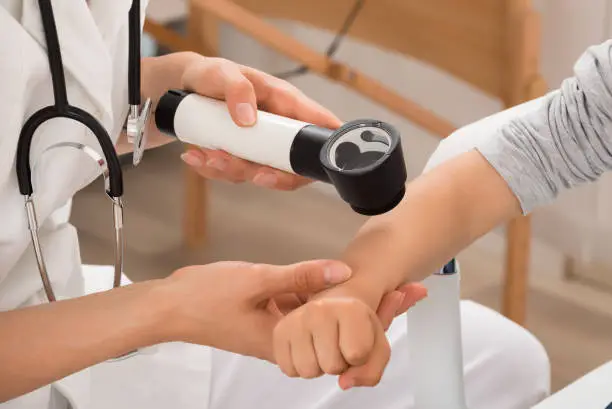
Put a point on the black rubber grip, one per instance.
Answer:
(306, 150)
(166, 110)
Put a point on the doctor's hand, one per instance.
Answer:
(230, 305)
(245, 89)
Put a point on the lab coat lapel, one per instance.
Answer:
(84, 52)
(110, 16)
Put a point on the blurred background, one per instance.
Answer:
(570, 268)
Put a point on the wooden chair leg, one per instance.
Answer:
(517, 269)
(202, 31)
(569, 267)
(519, 243)
(521, 54)
(194, 218)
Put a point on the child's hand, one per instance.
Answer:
(330, 336)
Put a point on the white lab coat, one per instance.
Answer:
(94, 42)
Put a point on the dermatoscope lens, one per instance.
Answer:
(365, 162)
(360, 147)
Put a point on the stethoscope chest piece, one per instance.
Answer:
(365, 162)
(136, 129)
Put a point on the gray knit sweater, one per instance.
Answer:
(566, 141)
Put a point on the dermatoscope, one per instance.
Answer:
(363, 159)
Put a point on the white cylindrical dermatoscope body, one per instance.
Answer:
(207, 123)
(371, 180)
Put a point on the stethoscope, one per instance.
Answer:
(108, 162)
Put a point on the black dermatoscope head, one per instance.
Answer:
(365, 162)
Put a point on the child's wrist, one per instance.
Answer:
(364, 290)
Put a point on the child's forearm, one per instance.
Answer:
(514, 162)
(443, 211)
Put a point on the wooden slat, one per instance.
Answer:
(169, 38)
(269, 35)
(516, 280)
(521, 43)
(461, 37)
(202, 30)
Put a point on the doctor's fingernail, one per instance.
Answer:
(336, 273)
(265, 180)
(217, 163)
(246, 114)
(348, 384)
(191, 159)
(400, 301)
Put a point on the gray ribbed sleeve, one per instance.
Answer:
(566, 141)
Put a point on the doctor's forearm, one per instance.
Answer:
(165, 72)
(39, 345)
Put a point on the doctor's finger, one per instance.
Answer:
(223, 79)
(282, 98)
(214, 164)
(222, 165)
(276, 179)
(219, 165)
(413, 293)
(307, 276)
(387, 310)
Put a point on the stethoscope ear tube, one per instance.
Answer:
(23, 162)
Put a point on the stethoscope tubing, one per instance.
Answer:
(23, 162)
(108, 162)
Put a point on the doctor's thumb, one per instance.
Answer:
(304, 277)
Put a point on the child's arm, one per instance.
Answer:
(548, 145)
(528, 155)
